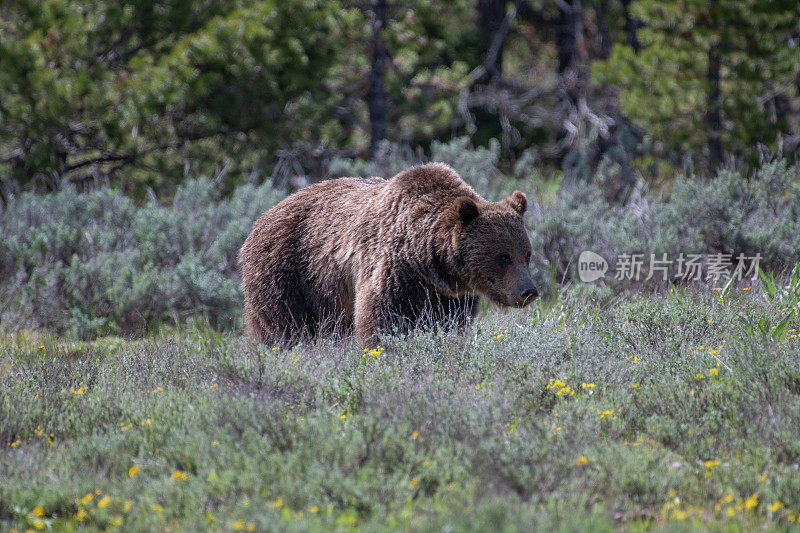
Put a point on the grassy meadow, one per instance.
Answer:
(140, 140)
(677, 410)
(129, 398)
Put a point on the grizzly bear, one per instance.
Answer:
(379, 255)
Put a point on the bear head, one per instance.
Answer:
(492, 249)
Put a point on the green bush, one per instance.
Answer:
(727, 214)
(95, 263)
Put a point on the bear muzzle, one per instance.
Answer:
(527, 292)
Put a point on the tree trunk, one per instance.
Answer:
(572, 57)
(376, 94)
(632, 25)
(490, 18)
(713, 112)
(569, 35)
(603, 34)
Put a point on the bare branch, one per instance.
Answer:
(499, 39)
(103, 159)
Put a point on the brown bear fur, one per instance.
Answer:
(374, 255)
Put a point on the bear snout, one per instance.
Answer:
(527, 292)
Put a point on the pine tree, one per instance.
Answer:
(708, 75)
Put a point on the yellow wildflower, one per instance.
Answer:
(414, 481)
(581, 460)
(38, 511)
(752, 501)
(103, 502)
(278, 502)
(565, 391)
(132, 471)
(179, 475)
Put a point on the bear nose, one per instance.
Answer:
(529, 292)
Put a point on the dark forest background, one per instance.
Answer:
(144, 94)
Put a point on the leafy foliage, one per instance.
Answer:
(665, 86)
(145, 94)
(89, 89)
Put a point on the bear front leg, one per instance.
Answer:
(368, 312)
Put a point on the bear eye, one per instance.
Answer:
(504, 259)
(528, 257)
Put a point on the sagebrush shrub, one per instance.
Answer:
(96, 263)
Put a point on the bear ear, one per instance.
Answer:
(518, 202)
(467, 209)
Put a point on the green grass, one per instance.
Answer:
(594, 412)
